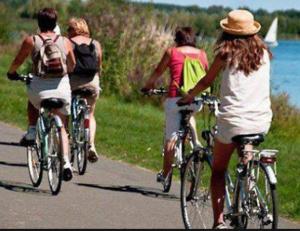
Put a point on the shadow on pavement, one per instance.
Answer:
(150, 192)
(17, 144)
(13, 164)
(23, 188)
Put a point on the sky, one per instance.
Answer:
(269, 5)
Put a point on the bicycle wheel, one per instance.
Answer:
(35, 161)
(82, 145)
(195, 197)
(55, 161)
(258, 208)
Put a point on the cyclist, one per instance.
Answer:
(244, 60)
(46, 87)
(173, 58)
(86, 72)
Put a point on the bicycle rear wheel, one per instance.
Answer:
(195, 197)
(82, 143)
(35, 161)
(55, 160)
(258, 208)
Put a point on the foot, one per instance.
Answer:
(92, 155)
(67, 172)
(160, 177)
(164, 180)
(29, 138)
(220, 226)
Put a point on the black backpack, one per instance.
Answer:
(86, 59)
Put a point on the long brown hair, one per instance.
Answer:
(244, 53)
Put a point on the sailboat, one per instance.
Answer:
(271, 37)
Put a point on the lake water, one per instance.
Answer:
(285, 70)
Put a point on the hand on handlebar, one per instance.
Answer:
(13, 76)
(187, 99)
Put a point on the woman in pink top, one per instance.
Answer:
(173, 59)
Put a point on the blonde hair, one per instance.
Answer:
(79, 26)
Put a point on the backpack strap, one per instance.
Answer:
(72, 41)
(44, 40)
(56, 38)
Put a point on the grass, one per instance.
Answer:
(132, 132)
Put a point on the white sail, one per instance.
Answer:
(271, 37)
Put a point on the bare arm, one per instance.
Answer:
(159, 70)
(71, 62)
(99, 49)
(24, 52)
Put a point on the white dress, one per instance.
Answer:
(245, 102)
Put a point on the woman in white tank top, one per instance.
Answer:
(244, 61)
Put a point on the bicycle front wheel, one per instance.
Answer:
(258, 207)
(195, 196)
(35, 162)
(55, 160)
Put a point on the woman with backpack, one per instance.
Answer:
(50, 70)
(174, 59)
(88, 55)
(244, 61)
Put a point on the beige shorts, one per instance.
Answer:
(40, 89)
(173, 117)
(226, 131)
(77, 82)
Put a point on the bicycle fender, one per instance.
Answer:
(58, 121)
(271, 174)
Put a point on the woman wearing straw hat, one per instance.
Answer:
(244, 61)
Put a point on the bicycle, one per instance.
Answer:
(46, 152)
(80, 128)
(183, 135)
(251, 198)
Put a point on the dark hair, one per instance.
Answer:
(185, 36)
(47, 18)
(244, 53)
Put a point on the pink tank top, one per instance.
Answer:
(176, 68)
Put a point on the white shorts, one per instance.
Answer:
(173, 117)
(40, 89)
(226, 131)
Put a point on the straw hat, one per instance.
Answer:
(240, 22)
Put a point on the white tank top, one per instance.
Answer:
(245, 100)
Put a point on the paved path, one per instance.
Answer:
(110, 195)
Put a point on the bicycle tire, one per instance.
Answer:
(195, 199)
(35, 162)
(262, 188)
(55, 157)
(82, 148)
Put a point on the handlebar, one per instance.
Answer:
(24, 78)
(205, 98)
(159, 91)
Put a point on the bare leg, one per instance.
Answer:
(195, 138)
(168, 157)
(222, 153)
(65, 139)
(92, 104)
(32, 114)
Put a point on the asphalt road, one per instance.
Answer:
(110, 195)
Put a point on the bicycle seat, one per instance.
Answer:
(52, 103)
(254, 139)
(84, 92)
